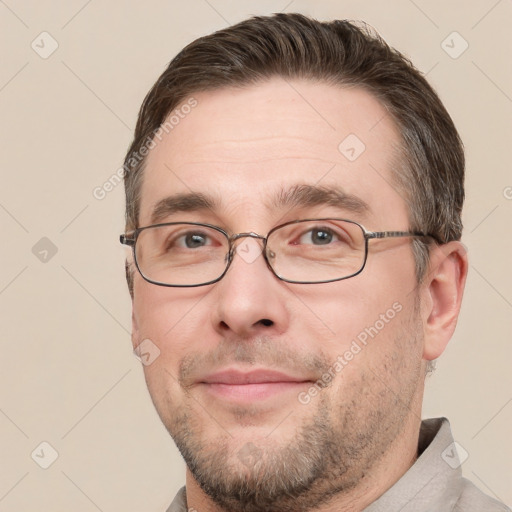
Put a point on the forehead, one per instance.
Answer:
(243, 145)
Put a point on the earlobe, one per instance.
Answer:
(442, 297)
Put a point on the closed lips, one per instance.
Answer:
(236, 377)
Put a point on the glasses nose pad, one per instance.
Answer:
(249, 248)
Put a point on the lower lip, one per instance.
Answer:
(251, 392)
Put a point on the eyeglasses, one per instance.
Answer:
(187, 254)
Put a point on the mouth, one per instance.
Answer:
(239, 386)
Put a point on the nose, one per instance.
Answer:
(250, 299)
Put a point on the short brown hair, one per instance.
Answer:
(343, 53)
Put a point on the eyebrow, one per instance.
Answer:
(190, 202)
(303, 196)
(298, 196)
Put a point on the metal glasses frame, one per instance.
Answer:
(130, 239)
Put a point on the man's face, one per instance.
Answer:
(238, 358)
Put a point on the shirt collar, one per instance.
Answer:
(434, 481)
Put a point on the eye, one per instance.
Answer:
(319, 236)
(192, 240)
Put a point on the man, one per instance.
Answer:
(294, 192)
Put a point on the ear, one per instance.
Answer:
(442, 291)
(128, 267)
(135, 328)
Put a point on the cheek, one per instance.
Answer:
(173, 321)
(371, 308)
(390, 269)
(339, 312)
(171, 318)
(383, 354)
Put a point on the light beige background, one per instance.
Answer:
(68, 376)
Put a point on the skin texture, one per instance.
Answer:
(358, 435)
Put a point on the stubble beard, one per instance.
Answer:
(333, 451)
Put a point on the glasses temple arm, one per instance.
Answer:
(396, 234)
(127, 239)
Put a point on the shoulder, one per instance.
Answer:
(473, 499)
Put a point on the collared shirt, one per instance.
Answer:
(434, 483)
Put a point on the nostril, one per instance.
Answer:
(266, 322)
